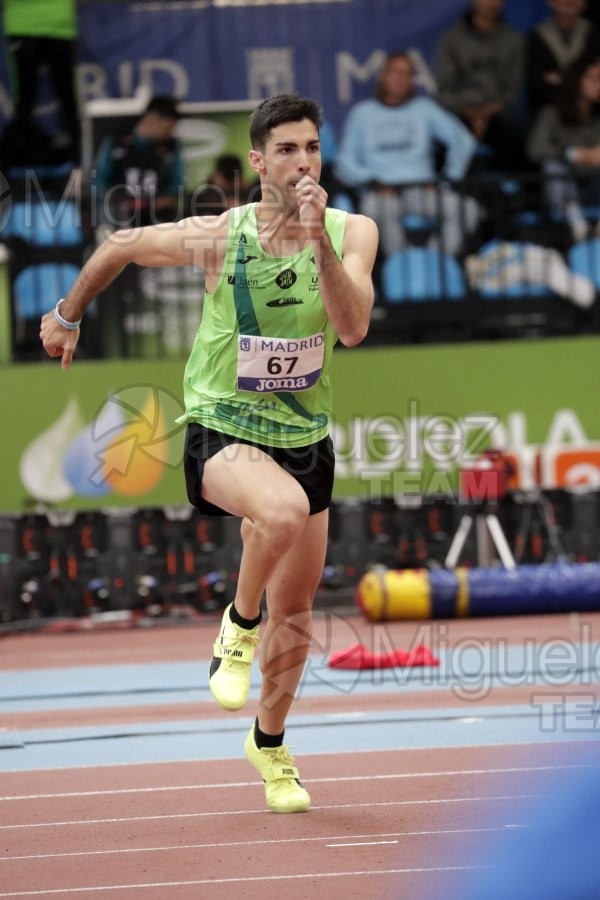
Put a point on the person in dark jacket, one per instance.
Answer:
(41, 35)
(565, 142)
(556, 45)
(139, 174)
(480, 63)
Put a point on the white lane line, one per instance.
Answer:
(363, 844)
(243, 880)
(247, 812)
(294, 840)
(442, 748)
(242, 784)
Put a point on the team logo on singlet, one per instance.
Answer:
(286, 279)
(240, 281)
(284, 301)
(246, 259)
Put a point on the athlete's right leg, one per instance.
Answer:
(246, 482)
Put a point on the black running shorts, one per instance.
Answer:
(312, 466)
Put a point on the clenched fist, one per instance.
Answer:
(58, 341)
(312, 202)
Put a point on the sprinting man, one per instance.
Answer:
(286, 277)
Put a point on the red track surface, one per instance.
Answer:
(389, 824)
(94, 648)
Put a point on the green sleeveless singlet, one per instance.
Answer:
(259, 366)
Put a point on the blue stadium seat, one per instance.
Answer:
(584, 259)
(37, 288)
(51, 223)
(421, 273)
(415, 222)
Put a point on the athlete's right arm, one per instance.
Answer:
(195, 241)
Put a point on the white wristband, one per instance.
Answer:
(71, 326)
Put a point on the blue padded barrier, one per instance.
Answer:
(421, 273)
(37, 288)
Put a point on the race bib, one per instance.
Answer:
(267, 364)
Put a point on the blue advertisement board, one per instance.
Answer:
(216, 50)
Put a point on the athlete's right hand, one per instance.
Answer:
(58, 341)
(312, 202)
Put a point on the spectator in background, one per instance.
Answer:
(565, 141)
(225, 188)
(556, 45)
(480, 64)
(41, 33)
(329, 152)
(387, 154)
(139, 174)
(328, 143)
(339, 194)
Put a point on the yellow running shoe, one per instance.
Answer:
(233, 651)
(275, 765)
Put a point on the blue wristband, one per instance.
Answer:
(71, 326)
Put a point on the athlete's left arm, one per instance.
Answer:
(346, 287)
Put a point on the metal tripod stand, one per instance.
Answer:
(537, 507)
(489, 536)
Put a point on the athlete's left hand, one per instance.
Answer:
(58, 341)
(312, 202)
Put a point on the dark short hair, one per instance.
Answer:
(279, 109)
(165, 107)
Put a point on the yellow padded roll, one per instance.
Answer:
(395, 594)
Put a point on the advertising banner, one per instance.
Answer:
(215, 50)
(406, 421)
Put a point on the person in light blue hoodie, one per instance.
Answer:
(388, 153)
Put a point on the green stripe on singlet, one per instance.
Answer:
(248, 324)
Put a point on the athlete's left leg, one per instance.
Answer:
(287, 634)
(285, 645)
